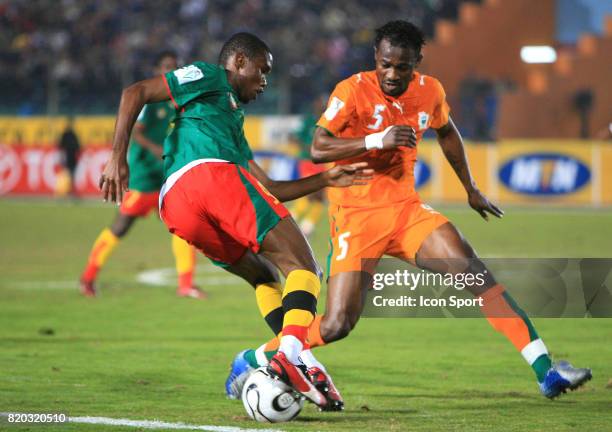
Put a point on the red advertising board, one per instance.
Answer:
(33, 170)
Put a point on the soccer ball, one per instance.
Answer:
(268, 400)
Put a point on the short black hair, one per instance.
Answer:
(162, 55)
(402, 34)
(247, 43)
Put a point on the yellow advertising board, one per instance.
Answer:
(541, 172)
(548, 172)
(91, 130)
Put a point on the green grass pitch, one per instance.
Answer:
(138, 352)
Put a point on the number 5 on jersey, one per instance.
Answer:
(343, 245)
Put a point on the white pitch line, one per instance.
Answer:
(167, 276)
(208, 275)
(156, 424)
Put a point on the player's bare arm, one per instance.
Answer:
(114, 178)
(452, 145)
(338, 176)
(328, 148)
(141, 138)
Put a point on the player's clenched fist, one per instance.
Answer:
(400, 136)
(392, 137)
(114, 179)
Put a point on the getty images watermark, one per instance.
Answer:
(553, 287)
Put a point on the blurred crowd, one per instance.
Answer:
(76, 55)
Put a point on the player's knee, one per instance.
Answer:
(265, 274)
(312, 267)
(120, 229)
(122, 225)
(337, 326)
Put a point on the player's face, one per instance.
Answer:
(166, 64)
(394, 67)
(253, 77)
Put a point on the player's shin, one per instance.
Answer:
(508, 318)
(269, 302)
(299, 305)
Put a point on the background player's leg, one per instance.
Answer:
(101, 250)
(445, 250)
(315, 210)
(122, 224)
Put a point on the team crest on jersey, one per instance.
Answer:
(332, 110)
(423, 120)
(188, 74)
(161, 113)
(232, 102)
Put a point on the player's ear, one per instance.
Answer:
(239, 60)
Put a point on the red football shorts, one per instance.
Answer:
(220, 208)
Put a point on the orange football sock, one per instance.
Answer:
(314, 332)
(508, 318)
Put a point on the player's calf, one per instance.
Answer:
(336, 326)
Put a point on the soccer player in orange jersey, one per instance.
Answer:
(379, 117)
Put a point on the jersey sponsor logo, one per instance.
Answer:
(423, 120)
(422, 174)
(544, 174)
(334, 107)
(188, 74)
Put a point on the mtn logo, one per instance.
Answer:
(544, 174)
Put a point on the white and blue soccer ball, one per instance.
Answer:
(269, 400)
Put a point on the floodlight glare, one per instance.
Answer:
(538, 54)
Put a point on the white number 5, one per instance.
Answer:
(343, 245)
(377, 116)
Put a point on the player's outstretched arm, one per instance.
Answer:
(452, 145)
(328, 148)
(114, 178)
(338, 176)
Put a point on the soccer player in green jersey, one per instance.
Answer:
(145, 181)
(217, 198)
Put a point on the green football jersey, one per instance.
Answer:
(146, 170)
(209, 120)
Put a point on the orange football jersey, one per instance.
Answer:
(358, 107)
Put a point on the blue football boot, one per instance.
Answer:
(562, 376)
(239, 372)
